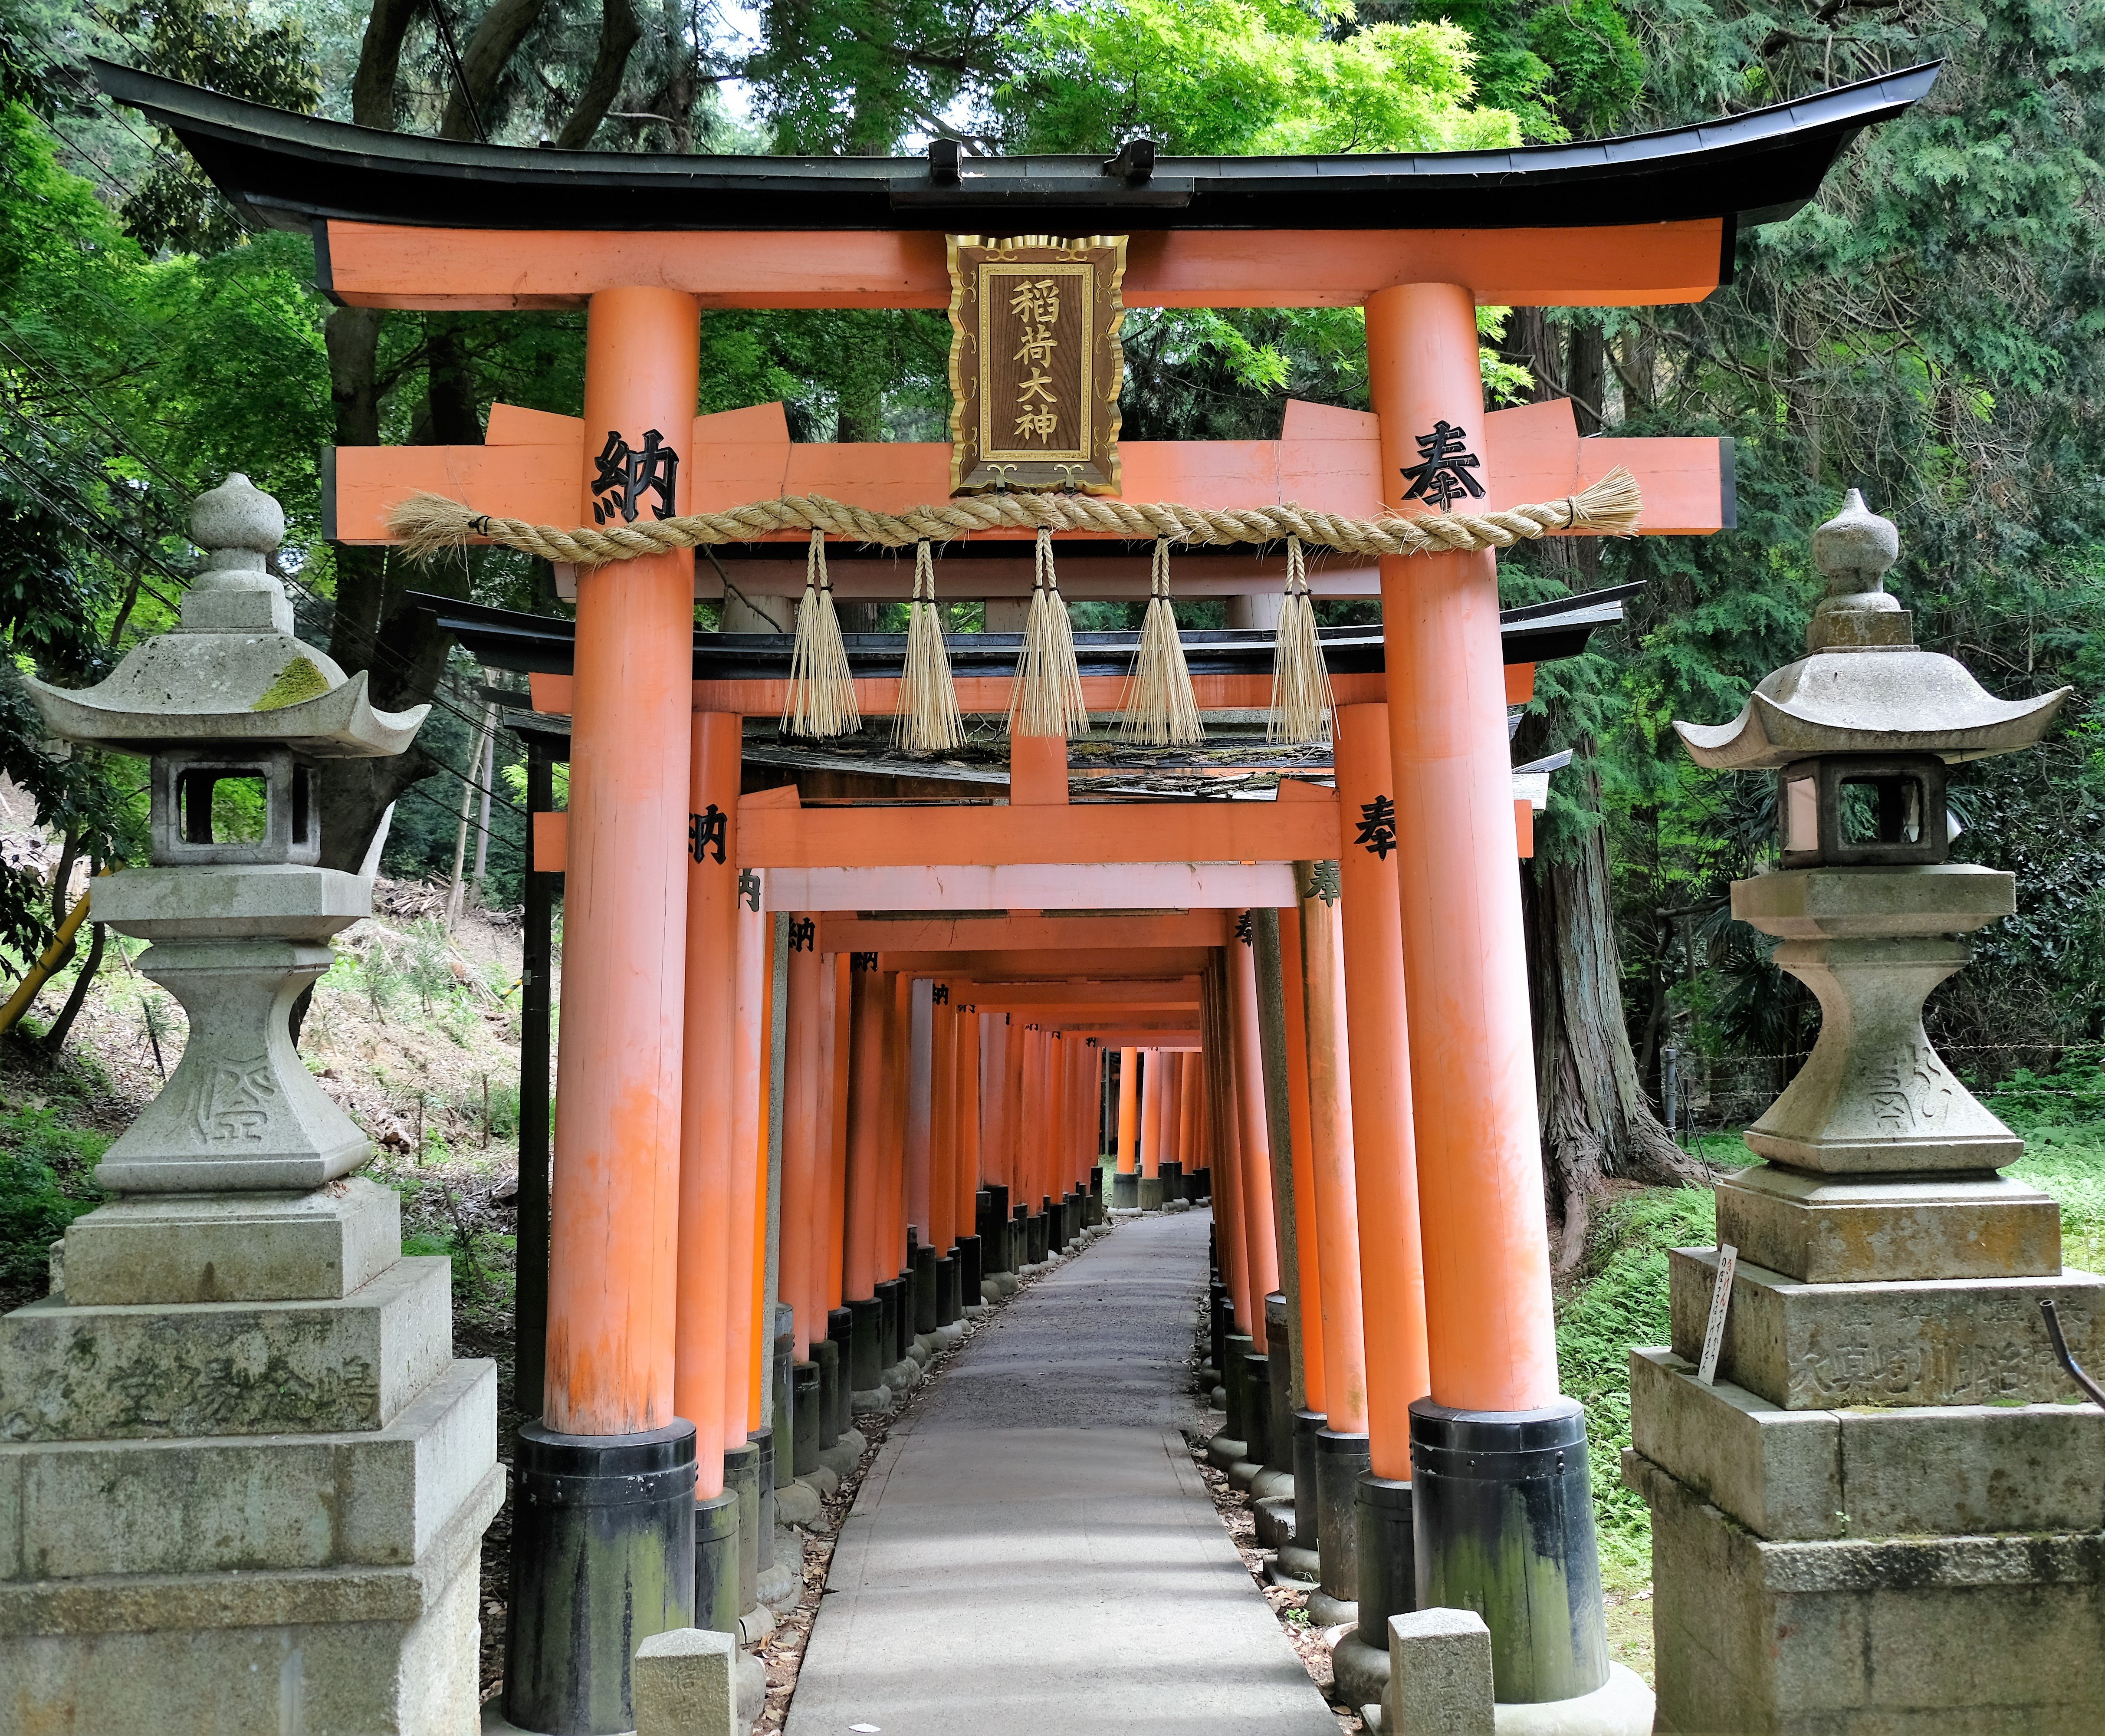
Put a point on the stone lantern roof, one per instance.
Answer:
(234, 671)
(1865, 688)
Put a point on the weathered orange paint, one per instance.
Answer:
(1332, 1171)
(1488, 1308)
(970, 1059)
(1627, 265)
(1384, 1150)
(704, 1370)
(1128, 1110)
(1260, 1227)
(899, 1053)
(942, 1127)
(803, 1192)
(748, 1158)
(1037, 768)
(1524, 826)
(1232, 1233)
(870, 994)
(839, 1017)
(615, 1214)
(1308, 1259)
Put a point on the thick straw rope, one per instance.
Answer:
(430, 524)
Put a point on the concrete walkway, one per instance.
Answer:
(1033, 1553)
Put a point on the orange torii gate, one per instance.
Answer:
(645, 1278)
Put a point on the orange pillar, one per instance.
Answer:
(801, 1190)
(870, 993)
(1384, 1158)
(751, 1338)
(615, 1210)
(1260, 1234)
(972, 1037)
(839, 1016)
(1492, 1332)
(1149, 1155)
(704, 1341)
(1187, 1112)
(1331, 1168)
(942, 1123)
(1231, 1237)
(920, 1147)
(898, 1054)
(1306, 1310)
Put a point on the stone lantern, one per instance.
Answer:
(1886, 1476)
(249, 1481)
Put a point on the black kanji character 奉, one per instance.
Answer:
(1378, 826)
(624, 474)
(1444, 474)
(1243, 928)
(803, 934)
(707, 830)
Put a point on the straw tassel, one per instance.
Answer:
(1047, 699)
(927, 720)
(1159, 709)
(821, 700)
(1301, 699)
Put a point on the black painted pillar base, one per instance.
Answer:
(1173, 1181)
(1037, 1228)
(1125, 1192)
(1070, 1219)
(719, 1549)
(1256, 1407)
(948, 1305)
(742, 1478)
(1341, 1461)
(764, 1439)
(1278, 1454)
(602, 1558)
(805, 1382)
(1505, 1527)
(924, 1290)
(1222, 1321)
(1306, 1521)
(971, 1269)
(890, 1295)
(866, 1358)
(1386, 1546)
(827, 1354)
(1235, 1378)
(784, 1409)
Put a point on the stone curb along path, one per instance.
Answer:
(1032, 1547)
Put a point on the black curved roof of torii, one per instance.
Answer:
(287, 171)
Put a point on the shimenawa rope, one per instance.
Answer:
(430, 524)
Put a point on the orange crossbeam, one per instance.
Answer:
(1302, 827)
(1091, 965)
(1180, 994)
(384, 264)
(1326, 460)
(1031, 938)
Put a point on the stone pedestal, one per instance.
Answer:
(224, 1513)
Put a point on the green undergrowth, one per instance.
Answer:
(1619, 1302)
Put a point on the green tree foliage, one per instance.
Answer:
(1228, 77)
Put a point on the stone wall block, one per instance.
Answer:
(1778, 1472)
(245, 1504)
(234, 1247)
(1848, 1230)
(684, 1684)
(1828, 1346)
(226, 1368)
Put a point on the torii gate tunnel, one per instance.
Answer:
(1058, 925)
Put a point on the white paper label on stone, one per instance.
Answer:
(1713, 1330)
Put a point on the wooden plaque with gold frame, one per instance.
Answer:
(1035, 363)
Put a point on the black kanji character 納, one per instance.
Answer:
(624, 474)
(939, 994)
(1444, 474)
(803, 934)
(1378, 826)
(707, 830)
(749, 888)
(862, 961)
